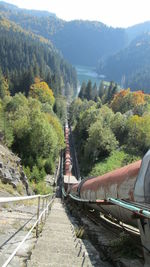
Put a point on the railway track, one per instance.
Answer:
(108, 236)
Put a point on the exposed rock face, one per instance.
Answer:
(11, 171)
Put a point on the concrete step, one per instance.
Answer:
(60, 260)
(58, 246)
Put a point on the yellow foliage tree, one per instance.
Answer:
(126, 100)
(42, 92)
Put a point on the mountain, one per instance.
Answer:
(6, 7)
(84, 42)
(120, 54)
(137, 30)
(81, 42)
(132, 64)
(24, 55)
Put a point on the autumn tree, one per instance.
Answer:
(126, 100)
(42, 92)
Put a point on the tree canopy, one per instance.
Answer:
(42, 92)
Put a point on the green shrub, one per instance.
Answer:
(27, 172)
(35, 174)
(42, 173)
(40, 162)
(116, 160)
(41, 188)
(49, 165)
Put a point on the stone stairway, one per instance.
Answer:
(58, 246)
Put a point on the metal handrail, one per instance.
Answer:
(14, 199)
(39, 217)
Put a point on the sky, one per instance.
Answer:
(116, 13)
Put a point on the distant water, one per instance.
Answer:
(85, 74)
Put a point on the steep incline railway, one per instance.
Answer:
(123, 193)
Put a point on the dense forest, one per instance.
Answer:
(110, 132)
(24, 56)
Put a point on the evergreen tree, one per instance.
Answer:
(101, 91)
(88, 91)
(112, 90)
(82, 91)
(94, 92)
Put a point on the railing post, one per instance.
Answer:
(45, 208)
(49, 208)
(42, 209)
(38, 212)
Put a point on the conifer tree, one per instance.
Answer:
(82, 91)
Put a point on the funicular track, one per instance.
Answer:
(98, 211)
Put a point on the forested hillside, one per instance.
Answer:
(110, 133)
(24, 56)
(81, 42)
(133, 63)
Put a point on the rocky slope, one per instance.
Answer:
(11, 173)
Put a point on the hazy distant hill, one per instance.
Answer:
(137, 30)
(9, 8)
(84, 42)
(133, 63)
(81, 42)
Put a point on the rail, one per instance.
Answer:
(74, 155)
(47, 202)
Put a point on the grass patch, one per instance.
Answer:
(20, 189)
(116, 160)
(80, 233)
(28, 202)
(7, 188)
